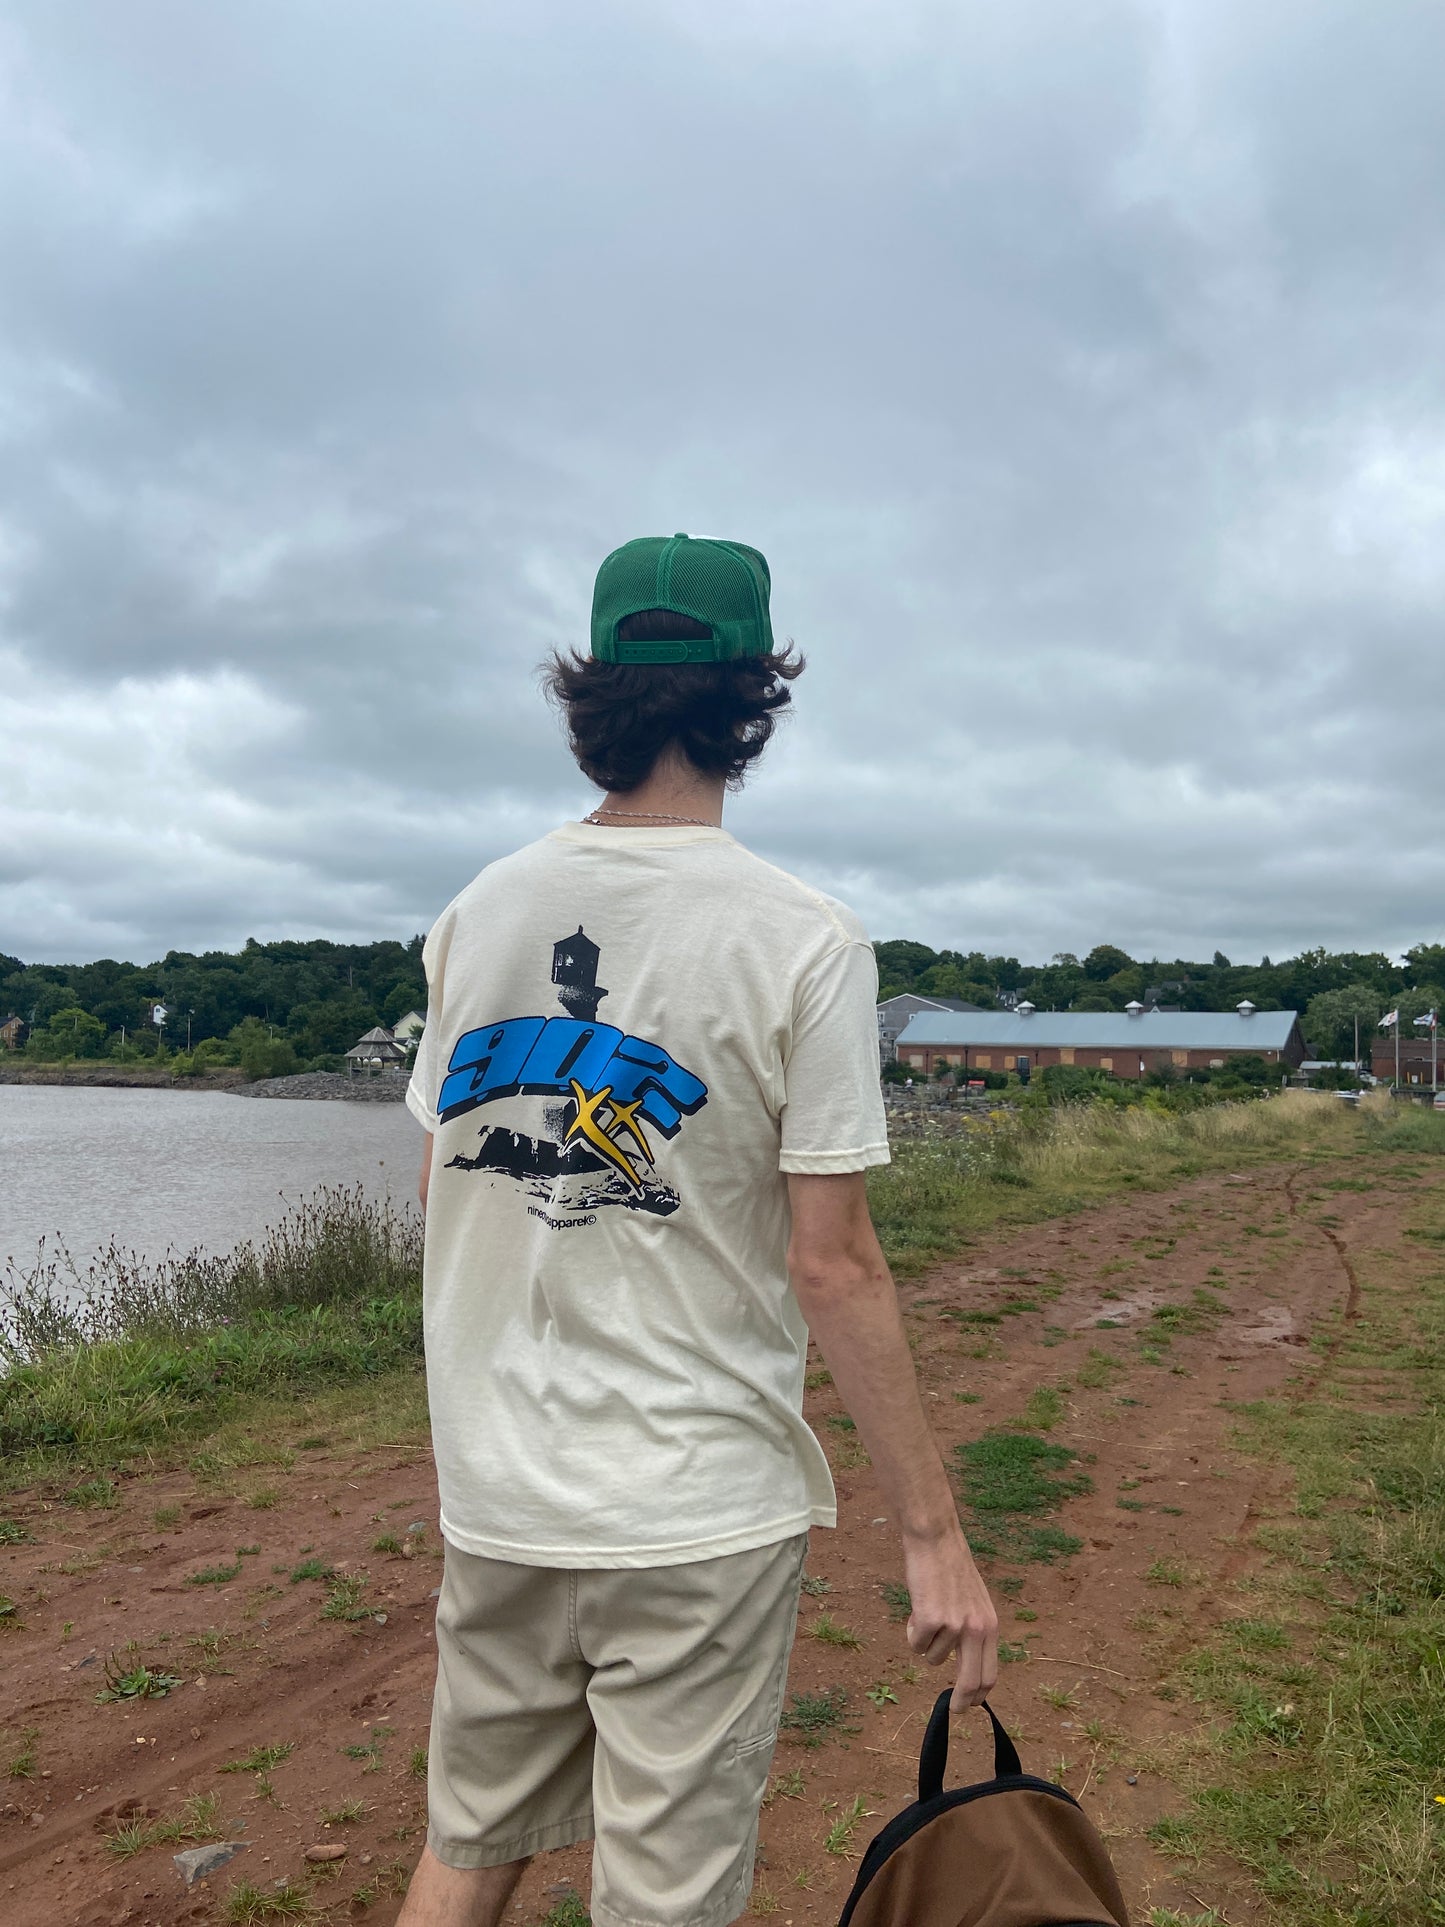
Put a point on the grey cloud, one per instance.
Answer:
(1076, 367)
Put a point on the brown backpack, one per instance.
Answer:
(1013, 1851)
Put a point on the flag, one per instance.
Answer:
(1393, 1018)
(1428, 1020)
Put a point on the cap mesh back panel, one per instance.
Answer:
(713, 583)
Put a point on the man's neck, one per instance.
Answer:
(668, 793)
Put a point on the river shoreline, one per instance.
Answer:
(123, 1077)
(325, 1085)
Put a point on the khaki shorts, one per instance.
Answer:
(638, 1708)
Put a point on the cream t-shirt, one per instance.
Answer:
(632, 1035)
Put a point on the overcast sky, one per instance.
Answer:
(1077, 365)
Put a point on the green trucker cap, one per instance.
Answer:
(724, 584)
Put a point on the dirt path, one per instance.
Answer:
(1091, 1328)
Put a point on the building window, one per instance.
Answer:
(983, 1061)
(1066, 1054)
(1106, 1063)
(915, 1058)
(1216, 1063)
(1181, 1058)
(1008, 1063)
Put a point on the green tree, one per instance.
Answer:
(1329, 1022)
(71, 1032)
(1105, 960)
(1414, 1003)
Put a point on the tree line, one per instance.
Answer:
(274, 1007)
(271, 1008)
(1330, 989)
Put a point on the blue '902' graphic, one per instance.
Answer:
(614, 1090)
(546, 1056)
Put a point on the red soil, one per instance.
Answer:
(91, 1581)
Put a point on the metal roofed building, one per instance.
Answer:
(1129, 1043)
(894, 1013)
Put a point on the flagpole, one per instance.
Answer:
(1397, 1047)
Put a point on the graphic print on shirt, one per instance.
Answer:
(610, 1093)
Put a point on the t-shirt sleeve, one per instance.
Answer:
(421, 1092)
(832, 1116)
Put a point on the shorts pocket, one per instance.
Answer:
(747, 1752)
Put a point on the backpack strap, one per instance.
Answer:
(933, 1756)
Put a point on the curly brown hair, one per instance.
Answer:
(621, 717)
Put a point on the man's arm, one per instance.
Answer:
(424, 1181)
(847, 1295)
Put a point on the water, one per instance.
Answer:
(158, 1169)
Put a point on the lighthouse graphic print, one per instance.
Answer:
(611, 1102)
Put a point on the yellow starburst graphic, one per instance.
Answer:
(587, 1124)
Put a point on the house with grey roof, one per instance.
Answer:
(1129, 1043)
(895, 1012)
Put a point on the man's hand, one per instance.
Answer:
(952, 1612)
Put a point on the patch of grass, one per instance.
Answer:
(1098, 1369)
(416, 1764)
(93, 1495)
(263, 1498)
(312, 1569)
(968, 1398)
(348, 1814)
(25, 1758)
(369, 1750)
(815, 1588)
(1010, 1653)
(134, 1682)
(898, 1600)
(250, 1906)
(345, 1597)
(214, 1575)
(1044, 1409)
(1009, 1480)
(261, 1759)
(881, 1694)
(12, 1533)
(785, 1786)
(840, 1422)
(815, 1717)
(388, 1542)
(199, 1819)
(1166, 1572)
(826, 1628)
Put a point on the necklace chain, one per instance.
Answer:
(651, 816)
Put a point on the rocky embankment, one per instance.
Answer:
(128, 1077)
(386, 1089)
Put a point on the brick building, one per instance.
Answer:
(1129, 1043)
(1416, 1066)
